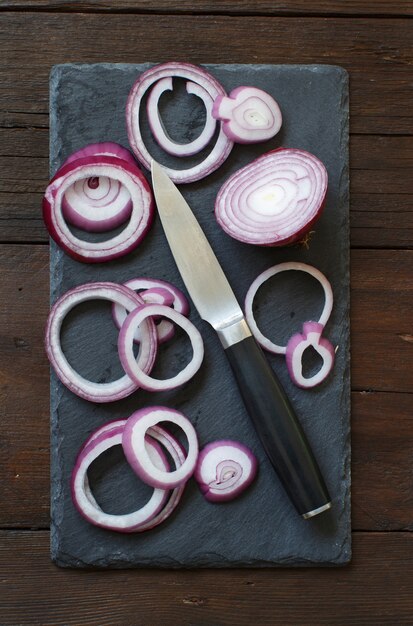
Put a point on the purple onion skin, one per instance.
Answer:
(225, 497)
(105, 148)
(103, 160)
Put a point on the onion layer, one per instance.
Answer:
(134, 369)
(97, 392)
(274, 200)
(310, 337)
(105, 148)
(133, 442)
(249, 115)
(195, 75)
(121, 173)
(224, 470)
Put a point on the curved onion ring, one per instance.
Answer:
(249, 115)
(224, 470)
(116, 169)
(262, 278)
(311, 336)
(165, 329)
(84, 500)
(223, 145)
(97, 392)
(134, 369)
(158, 129)
(104, 148)
(274, 200)
(133, 442)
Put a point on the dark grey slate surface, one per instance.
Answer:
(261, 528)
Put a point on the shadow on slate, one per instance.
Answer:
(261, 528)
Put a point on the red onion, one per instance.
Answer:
(274, 200)
(134, 369)
(224, 470)
(105, 148)
(196, 75)
(133, 442)
(311, 336)
(120, 172)
(157, 127)
(145, 286)
(249, 115)
(97, 392)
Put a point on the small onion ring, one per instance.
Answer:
(125, 347)
(272, 271)
(96, 392)
(119, 245)
(223, 145)
(158, 129)
(133, 442)
(298, 343)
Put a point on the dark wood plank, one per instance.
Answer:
(375, 589)
(377, 53)
(379, 165)
(237, 7)
(382, 423)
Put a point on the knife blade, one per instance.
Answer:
(272, 414)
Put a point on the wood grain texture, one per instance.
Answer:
(367, 592)
(376, 52)
(382, 422)
(237, 7)
(379, 164)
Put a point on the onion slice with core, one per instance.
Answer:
(196, 75)
(97, 392)
(96, 167)
(274, 200)
(133, 442)
(249, 115)
(133, 368)
(224, 470)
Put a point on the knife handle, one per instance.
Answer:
(278, 428)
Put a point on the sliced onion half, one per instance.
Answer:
(224, 470)
(117, 174)
(274, 200)
(97, 392)
(133, 442)
(134, 369)
(207, 87)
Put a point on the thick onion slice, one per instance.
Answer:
(104, 148)
(196, 75)
(103, 439)
(310, 337)
(147, 288)
(118, 171)
(224, 470)
(272, 271)
(249, 115)
(133, 442)
(158, 130)
(97, 392)
(274, 200)
(134, 369)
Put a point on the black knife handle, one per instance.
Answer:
(278, 428)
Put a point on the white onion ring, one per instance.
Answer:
(133, 442)
(97, 392)
(97, 166)
(224, 470)
(274, 200)
(125, 347)
(165, 329)
(158, 129)
(223, 145)
(310, 336)
(262, 278)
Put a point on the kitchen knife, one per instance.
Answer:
(271, 412)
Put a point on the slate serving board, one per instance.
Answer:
(261, 528)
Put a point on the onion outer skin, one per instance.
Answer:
(95, 392)
(133, 445)
(238, 220)
(311, 336)
(119, 245)
(215, 454)
(223, 145)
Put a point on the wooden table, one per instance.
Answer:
(373, 41)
